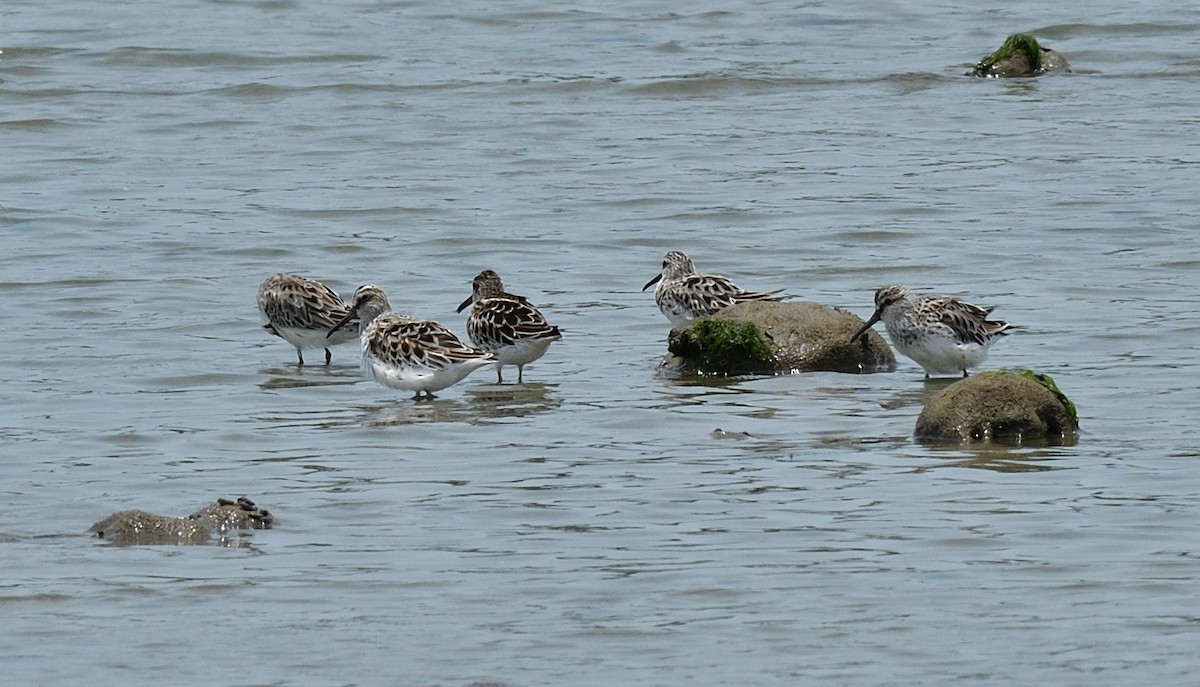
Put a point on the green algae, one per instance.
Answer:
(1015, 44)
(727, 347)
(1048, 382)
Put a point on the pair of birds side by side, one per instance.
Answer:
(400, 351)
(946, 336)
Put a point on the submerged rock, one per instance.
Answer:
(242, 514)
(131, 527)
(136, 527)
(999, 406)
(1021, 55)
(766, 337)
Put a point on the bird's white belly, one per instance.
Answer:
(522, 351)
(941, 356)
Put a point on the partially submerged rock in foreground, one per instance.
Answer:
(1021, 55)
(999, 406)
(136, 527)
(767, 337)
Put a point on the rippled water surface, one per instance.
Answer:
(591, 526)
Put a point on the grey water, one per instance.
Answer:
(591, 526)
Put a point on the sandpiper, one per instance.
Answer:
(683, 295)
(946, 336)
(402, 352)
(506, 325)
(301, 311)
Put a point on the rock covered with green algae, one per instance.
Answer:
(1021, 55)
(767, 337)
(999, 406)
(137, 527)
(722, 347)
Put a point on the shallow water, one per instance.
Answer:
(591, 527)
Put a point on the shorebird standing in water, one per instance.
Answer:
(301, 311)
(402, 352)
(506, 325)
